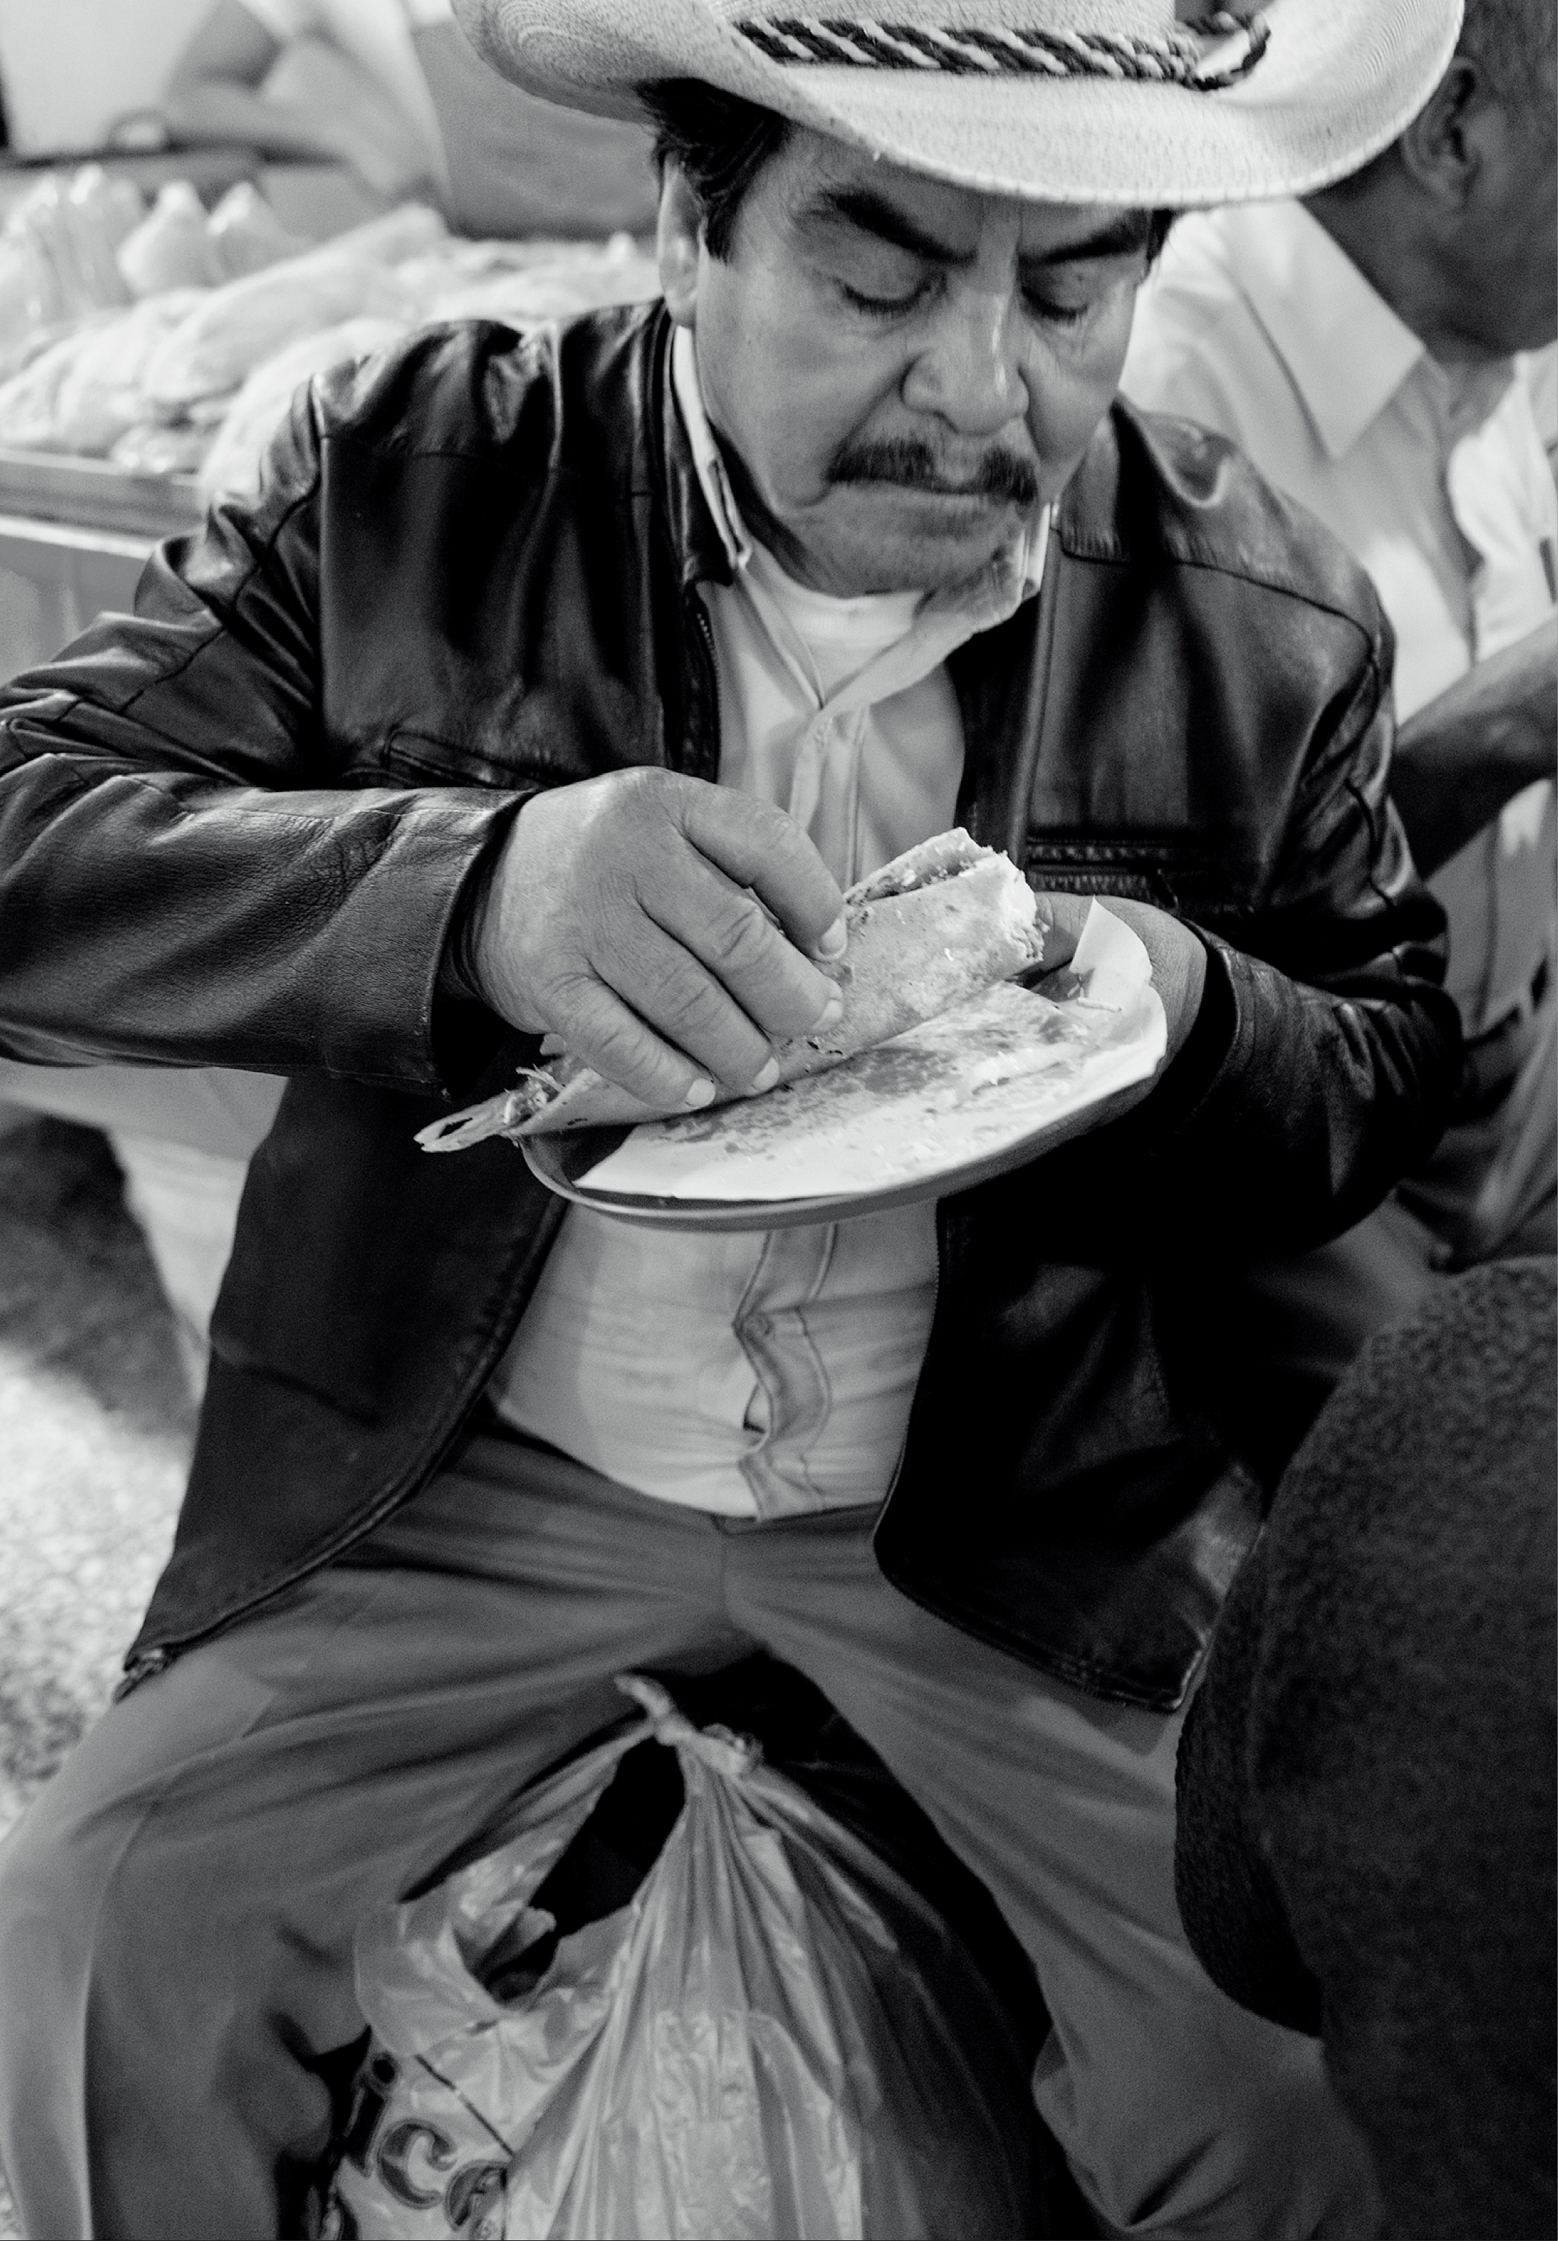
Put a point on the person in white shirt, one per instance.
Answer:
(1361, 346)
(393, 89)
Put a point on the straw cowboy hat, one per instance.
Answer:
(1108, 101)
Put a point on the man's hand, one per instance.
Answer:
(1178, 959)
(630, 917)
(1482, 741)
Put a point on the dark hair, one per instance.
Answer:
(719, 143)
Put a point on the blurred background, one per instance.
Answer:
(121, 53)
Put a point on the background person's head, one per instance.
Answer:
(1454, 223)
(901, 370)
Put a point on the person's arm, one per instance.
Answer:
(1323, 1052)
(1345, 1049)
(184, 878)
(188, 876)
(1463, 756)
(215, 95)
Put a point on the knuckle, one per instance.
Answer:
(616, 814)
(740, 939)
(686, 1005)
(561, 999)
(787, 837)
(616, 1045)
(643, 782)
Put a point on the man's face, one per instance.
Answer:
(1506, 267)
(900, 371)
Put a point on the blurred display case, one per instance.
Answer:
(74, 537)
(75, 533)
(210, 170)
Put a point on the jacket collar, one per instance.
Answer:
(1345, 350)
(700, 550)
(714, 482)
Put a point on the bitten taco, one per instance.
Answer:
(937, 925)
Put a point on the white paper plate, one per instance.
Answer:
(974, 1094)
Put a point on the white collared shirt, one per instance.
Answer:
(1258, 325)
(762, 1375)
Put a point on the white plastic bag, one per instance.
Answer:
(776, 2037)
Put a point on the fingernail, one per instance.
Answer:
(767, 1077)
(833, 1009)
(700, 1094)
(831, 944)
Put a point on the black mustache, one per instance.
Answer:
(907, 461)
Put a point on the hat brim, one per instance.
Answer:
(1338, 82)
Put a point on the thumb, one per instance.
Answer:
(1061, 920)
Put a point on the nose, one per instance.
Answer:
(967, 370)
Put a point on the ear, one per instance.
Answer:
(679, 244)
(1441, 148)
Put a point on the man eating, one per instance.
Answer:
(556, 687)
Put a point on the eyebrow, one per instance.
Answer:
(873, 213)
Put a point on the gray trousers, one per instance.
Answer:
(177, 1908)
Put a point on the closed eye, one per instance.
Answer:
(884, 307)
(1057, 314)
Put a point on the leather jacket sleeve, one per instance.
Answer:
(1343, 1050)
(1325, 1054)
(171, 803)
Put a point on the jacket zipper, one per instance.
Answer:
(703, 631)
(141, 1668)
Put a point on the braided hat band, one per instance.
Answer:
(1117, 102)
(1177, 57)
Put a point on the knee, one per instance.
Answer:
(50, 1899)
(1284, 2163)
(37, 1900)
(1240, 2141)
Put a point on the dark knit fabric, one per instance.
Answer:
(1366, 1842)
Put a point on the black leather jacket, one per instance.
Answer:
(239, 827)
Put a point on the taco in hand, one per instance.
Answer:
(939, 924)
